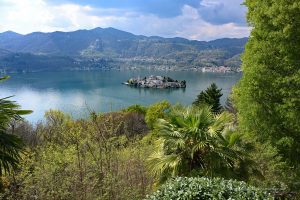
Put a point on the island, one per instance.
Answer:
(155, 82)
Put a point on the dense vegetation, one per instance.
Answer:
(85, 159)
(111, 48)
(208, 189)
(191, 152)
(267, 97)
(114, 155)
(194, 142)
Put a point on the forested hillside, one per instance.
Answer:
(65, 49)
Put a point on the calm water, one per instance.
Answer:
(79, 91)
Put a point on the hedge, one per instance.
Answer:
(183, 188)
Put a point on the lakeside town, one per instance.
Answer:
(161, 82)
(213, 69)
(220, 69)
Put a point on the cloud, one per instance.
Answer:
(36, 15)
(223, 11)
(188, 24)
(39, 15)
(161, 8)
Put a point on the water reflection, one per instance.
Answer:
(154, 91)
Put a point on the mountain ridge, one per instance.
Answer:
(111, 28)
(123, 48)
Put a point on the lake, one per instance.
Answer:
(77, 92)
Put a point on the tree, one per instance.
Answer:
(10, 145)
(230, 107)
(194, 141)
(155, 112)
(268, 95)
(211, 96)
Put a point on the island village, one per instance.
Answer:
(155, 82)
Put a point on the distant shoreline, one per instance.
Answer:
(122, 69)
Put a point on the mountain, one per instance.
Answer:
(9, 35)
(116, 47)
(4, 53)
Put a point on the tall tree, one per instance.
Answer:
(268, 95)
(211, 97)
(10, 145)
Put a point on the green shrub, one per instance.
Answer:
(156, 111)
(183, 188)
(136, 108)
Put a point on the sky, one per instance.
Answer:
(191, 19)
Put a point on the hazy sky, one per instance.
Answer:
(192, 19)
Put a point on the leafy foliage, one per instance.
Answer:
(268, 95)
(156, 111)
(83, 159)
(183, 188)
(211, 97)
(10, 145)
(110, 156)
(194, 141)
(137, 109)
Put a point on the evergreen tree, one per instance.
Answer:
(268, 95)
(211, 97)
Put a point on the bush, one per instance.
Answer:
(137, 109)
(128, 123)
(183, 188)
(97, 158)
(156, 111)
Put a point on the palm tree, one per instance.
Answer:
(194, 141)
(10, 145)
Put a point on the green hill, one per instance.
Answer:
(66, 50)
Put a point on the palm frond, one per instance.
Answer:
(10, 148)
(4, 78)
(198, 147)
(197, 138)
(221, 121)
(159, 163)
